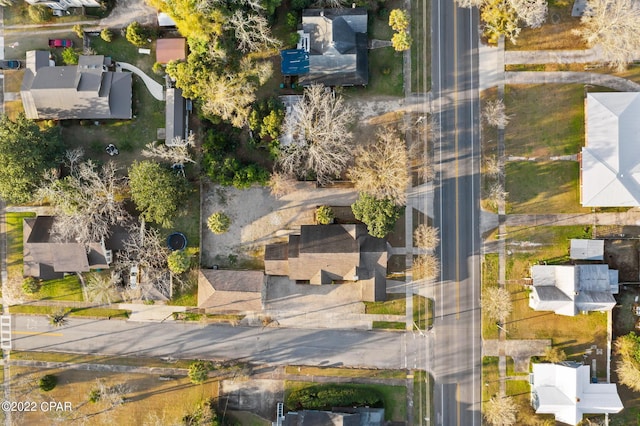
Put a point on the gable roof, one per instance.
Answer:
(569, 289)
(84, 91)
(360, 416)
(222, 290)
(337, 46)
(586, 249)
(566, 391)
(322, 254)
(610, 175)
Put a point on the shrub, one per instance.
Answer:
(136, 35)
(199, 371)
(380, 215)
(292, 20)
(158, 68)
(94, 395)
(40, 14)
(30, 285)
(325, 215)
(179, 262)
(106, 35)
(48, 382)
(218, 223)
(326, 397)
(79, 30)
(70, 56)
(294, 38)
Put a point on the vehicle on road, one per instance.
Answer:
(60, 42)
(134, 277)
(10, 64)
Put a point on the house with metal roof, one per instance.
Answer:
(64, 4)
(567, 391)
(88, 90)
(610, 159)
(569, 289)
(336, 43)
(332, 254)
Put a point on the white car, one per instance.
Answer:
(134, 276)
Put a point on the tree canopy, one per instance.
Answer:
(627, 348)
(26, 152)
(157, 191)
(380, 215)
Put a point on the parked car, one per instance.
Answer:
(134, 277)
(9, 64)
(60, 42)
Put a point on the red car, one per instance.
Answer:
(60, 42)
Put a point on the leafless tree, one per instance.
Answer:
(492, 167)
(144, 247)
(329, 4)
(101, 289)
(533, 13)
(426, 237)
(72, 157)
(425, 266)
(321, 141)
(112, 396)
(252, 32)
(381, 168)
(470, 3)
(177, 153)
(613, 25)
(229, 97)
(282, 184)
(88, 202)
(496, 303)
(497, 195)
(628, 373)
(500, 411)
(554, 354)
(494, 114)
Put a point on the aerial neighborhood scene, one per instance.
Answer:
(320, 212)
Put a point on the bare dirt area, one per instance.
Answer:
(258, 396)
(258, 218)
(622, 254)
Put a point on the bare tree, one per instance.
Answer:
(470, 3)
(496, 303)
(628, 368)
(425, 266)
(381, 169)
(492, 167)
(494, 114)
(500, 411)
(112, 396)
(329, 4)
(101, 289)
(72, 157)
(533, 13)
(229, 97)
(282, 184)
(613, 25)
(177, 152)
(426, 237)
(554, 354)
(252, 32)
(320, 138)
(144, 248)
(497, 195)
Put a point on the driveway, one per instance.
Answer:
(127, 11)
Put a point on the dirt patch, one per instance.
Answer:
(623, 256)
(257, 396)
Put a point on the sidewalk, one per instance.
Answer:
(553, 56)
(595, 79)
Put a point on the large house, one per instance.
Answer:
(84, 91)
(361, 416)
(569, 289)
(610, 160)
(334, 42)
(225, 291)
(332, 254)
(64, 4)
(566, 391)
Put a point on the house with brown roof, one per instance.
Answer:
(332, 254)
(171, 49)
(221, 290)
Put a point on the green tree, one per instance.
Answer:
(40, 13)
(401, 41)
(554, 354)
(136, 34)
(30, 285)
(70, 56)
(79, 30)
(48, 382)
(106, 35)
(26, 152)
(398, 20)
(179, 262)
(500, 18)
(292, 20)
(325, 215)
(199, 371)
(157, 68)
(218, 223)
(156, 191)
(380, 215)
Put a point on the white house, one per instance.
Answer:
(569, 289)
(610, 160)
(64, 4)
(565, 390)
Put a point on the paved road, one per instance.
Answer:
(268, 345)
(456, 351)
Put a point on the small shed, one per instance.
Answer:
(582, 249)
(171, 49)
(164, 20)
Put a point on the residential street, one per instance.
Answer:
(455, 357)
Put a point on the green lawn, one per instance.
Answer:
(388, 325)
(120, 50)
(421, 46)
(14, 243)
(490, 377)
(72, 312)
(546, 120)
(489, 279)
(385, 74)
(396, 304)
(17, 14)
(67, 288)
(422, 397)
(422, 312)
(543, 187)
(344, 372)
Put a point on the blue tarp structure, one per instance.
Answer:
(294, 61)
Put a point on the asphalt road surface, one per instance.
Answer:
(455, 360)
(183, 340)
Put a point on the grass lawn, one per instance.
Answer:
(168, 400)
(489, 279)
(388, 325)
(13, 80)
(188, 295)
(67, 288)
(385, 76)
(546, 120)
(345, 372)
(543, 187)
(14, 243)
(98, 359)
(511, 368)
(422, 312)
(17, 14)
(16, 44)
(120, 50)
(394, 397)
(490, 377)
(396, 304)
(518, 387)
(72, 312)
(554, 34)
(534, 244)
(246, 418)
(421, 46)
(13, 108)
(422, 397)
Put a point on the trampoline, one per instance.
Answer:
(177, 241)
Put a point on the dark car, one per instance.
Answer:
(9, 64)
(60, 42)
